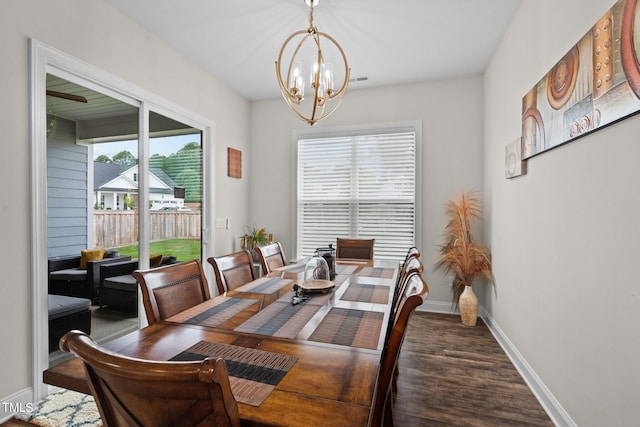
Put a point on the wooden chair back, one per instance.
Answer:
(271, 257)
(411, 261)
(171, 289)
(411, 253)
(414, 294)
(135, 392)
(413, 265)
(233, 270)
(354, 248)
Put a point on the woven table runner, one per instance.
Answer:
(213, 312)
(355, 328)
(362, 292)
(264, 285)
(293, 268)
(345, 269)
(280, 319)
(386, 273)
(253, 374)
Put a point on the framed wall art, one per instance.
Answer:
(594, 85)
(234, 163)
(514, 165)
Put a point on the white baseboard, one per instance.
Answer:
(19, 405)
(437, 307)
(549, 403)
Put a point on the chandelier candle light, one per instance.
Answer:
(320, 73)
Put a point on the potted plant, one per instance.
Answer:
(462, 256)
(253, 237)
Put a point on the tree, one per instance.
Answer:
(103, 158)
(191, 146)
(158, 161)
(125, 158)
(185, 168)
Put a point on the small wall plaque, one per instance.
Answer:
(234, 163)
(514, 165)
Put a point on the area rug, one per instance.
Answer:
(66, 408)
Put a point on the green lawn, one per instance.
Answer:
(182, 249)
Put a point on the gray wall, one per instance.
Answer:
(67, 213)
(565, 236)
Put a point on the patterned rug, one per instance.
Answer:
(66, 408)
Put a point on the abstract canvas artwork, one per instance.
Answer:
(595, 84)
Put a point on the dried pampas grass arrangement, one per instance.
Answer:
(460, 255)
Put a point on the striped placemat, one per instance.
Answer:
(280, 319)
(386, 273)
(355, 328)
(346, 268)
(362, 292)
(292, 268)
(253, 374)
(213, 312)
(264, 285)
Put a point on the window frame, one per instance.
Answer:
(414, 126)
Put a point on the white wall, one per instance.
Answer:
(93, 32)
(565, 236)
(451, 114)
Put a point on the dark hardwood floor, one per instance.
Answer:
(454, 375)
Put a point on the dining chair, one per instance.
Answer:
(412, 252)
(135, 392)
(271, 257)
(171, 289)
(233, 270)
(354, 248)
(414, 294)
(412, 266)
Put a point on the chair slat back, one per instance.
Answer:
(134, 392)
(354, 248)
(233, 270)
(271, 257)
(171, 289)
(414, 293)
(413, 265)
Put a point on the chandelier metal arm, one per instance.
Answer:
(321, 81)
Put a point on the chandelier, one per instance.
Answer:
(323, 98)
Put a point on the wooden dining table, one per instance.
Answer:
(308, 364)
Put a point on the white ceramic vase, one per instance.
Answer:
(468, 305)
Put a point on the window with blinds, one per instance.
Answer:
(359, 187)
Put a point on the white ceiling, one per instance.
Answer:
(387, 41)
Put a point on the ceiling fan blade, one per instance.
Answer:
(68, 96)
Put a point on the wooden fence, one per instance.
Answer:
(113, 229)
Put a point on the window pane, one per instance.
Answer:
(175, 196)
(358, 187)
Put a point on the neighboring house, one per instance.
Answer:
(116, 188)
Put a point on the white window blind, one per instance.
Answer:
(357, 187)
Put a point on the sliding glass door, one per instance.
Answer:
(129, 186)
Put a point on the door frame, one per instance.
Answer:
(47, 60)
